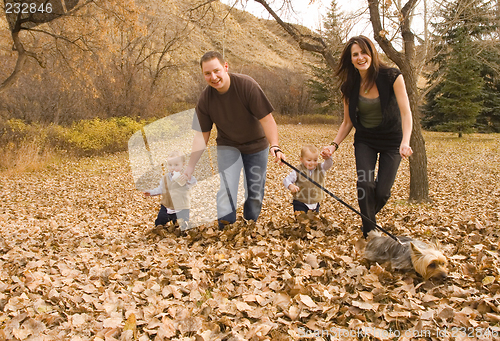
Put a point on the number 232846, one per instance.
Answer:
(27, 8)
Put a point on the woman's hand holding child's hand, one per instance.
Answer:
(327, 152)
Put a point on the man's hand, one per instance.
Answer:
(189, 172)
(278, 154)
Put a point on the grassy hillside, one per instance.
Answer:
(144, 63)
(140, 63)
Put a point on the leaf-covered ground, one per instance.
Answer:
(79, 261)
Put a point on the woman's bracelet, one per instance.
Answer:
(335, 144)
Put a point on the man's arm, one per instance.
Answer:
(200, 142)
(271, 131)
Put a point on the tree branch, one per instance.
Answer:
(59, 37)
(380, 34)
(307, 42)
(18, 25)
(406, 32)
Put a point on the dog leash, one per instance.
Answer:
(343, 202)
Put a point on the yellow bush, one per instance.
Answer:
(23, 145)
(92, 137)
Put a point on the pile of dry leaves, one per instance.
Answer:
(80, 261)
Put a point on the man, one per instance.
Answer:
(238, 107)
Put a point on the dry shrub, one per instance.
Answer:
(285, 89)
(31, 146)
(26, 156)
(308, 119)
(22, 146)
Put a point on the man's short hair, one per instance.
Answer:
(211, 55)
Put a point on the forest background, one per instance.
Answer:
(99, 73)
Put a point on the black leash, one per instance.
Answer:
(342, 202)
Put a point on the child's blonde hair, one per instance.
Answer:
(175, 154)
(172, 155)
(309, 148)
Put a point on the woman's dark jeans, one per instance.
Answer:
(373, 192)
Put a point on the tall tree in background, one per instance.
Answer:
(460, 102)
(405, 60)
(489, 57)
(324, 87)
(19, 22)
(489, 118)
(457, 86)
(100, 59)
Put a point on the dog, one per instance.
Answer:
(426, 260)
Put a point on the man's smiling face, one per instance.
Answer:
(216, 75)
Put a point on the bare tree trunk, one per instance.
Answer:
(22, 57)
(419, 181)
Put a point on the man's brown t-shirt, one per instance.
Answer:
(236, 114)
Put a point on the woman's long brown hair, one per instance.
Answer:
(348, 74)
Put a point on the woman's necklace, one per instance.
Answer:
(366, 88)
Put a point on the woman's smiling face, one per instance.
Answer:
(360, 59)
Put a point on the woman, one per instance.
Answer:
(376, 104)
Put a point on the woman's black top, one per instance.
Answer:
(389, 133)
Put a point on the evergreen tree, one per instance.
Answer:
(333, 27)
(456, 96)
(324, 88)
(489, 118)
(460, 100)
